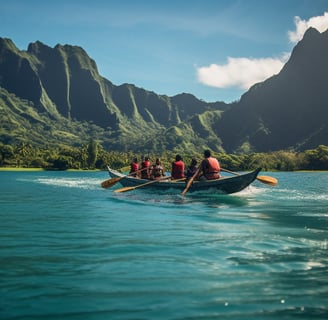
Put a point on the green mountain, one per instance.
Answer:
(51, 92)
(56, 96)
(288, 110)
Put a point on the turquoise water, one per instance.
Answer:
(72, 250)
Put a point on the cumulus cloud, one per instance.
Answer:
(240, 72)
(244, 72)
(320, 23)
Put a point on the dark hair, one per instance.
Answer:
(207, 153)
(178, 157)
(135, 159)
(193, 161)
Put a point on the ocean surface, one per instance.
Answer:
(72, 250)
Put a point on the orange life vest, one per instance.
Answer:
(212, 171)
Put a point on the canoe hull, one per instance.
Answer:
(225, 185)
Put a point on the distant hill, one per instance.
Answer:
(52, 96)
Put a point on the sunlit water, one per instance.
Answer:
(72, 250)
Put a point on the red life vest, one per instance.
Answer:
(145, 174)
(177, 169)
(134, 168)
(212, 171)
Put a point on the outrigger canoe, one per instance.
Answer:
(225, 184)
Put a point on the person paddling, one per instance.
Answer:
(157, 170)
(177, 171)
(191, 169)
(209, 167)
(145, 168)
(134, 168)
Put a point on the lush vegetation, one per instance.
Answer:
(58, 101)
(92, 155)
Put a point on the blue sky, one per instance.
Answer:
(214, 49)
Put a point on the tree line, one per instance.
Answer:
(92, 155)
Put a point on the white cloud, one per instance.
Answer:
(240, 72)
(244, 72)
(320, 23)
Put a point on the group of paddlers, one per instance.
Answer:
(208, 169)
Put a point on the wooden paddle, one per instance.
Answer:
(140, 185)
(110, 182)
(178, 180)
(264, 179)
(190, 181)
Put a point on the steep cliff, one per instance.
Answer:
(288, 110)
(61, 87)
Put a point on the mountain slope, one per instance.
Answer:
(59, 92)
(63, 82)
(289, 110)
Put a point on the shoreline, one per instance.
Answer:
(4, 169)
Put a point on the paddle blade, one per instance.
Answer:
(268, 180)
(110, 182)
(124, 189)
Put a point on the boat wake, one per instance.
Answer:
(208, 198)
(290, 194)
(79, 183)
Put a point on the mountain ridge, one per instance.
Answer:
(63, 87)
(288, 110)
